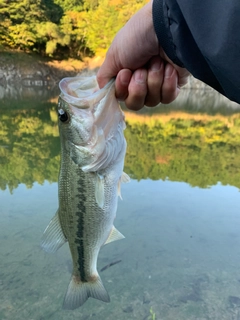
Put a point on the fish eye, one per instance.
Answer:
(63, 115)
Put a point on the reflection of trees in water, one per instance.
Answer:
(198, 149)
(29, 146)
(10, 93)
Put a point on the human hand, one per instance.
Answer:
(144, 74)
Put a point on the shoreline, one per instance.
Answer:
(25, 75)
(30, 70)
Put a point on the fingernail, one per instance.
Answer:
(156, 66)
(140, 76)
(169, 71)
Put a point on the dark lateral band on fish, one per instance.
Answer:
(110, 265)
(79, 235)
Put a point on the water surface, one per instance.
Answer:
(180, 216)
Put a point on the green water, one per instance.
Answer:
(181, 254)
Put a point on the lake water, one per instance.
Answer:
(180, 216)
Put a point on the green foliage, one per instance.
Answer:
(101, 25)
(53, 11)
(51, 35)
(70, 5)
(54, 26)
(22, 35)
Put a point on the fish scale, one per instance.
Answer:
(93, 148)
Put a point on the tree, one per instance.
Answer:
(50, 34)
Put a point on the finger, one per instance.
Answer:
(108, 69)
(154, 81)
(170, 89)
(122, 82)
(183, 76)
(137, 90)
(183, 73)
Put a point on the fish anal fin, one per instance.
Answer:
(53, 237)
(78, 292)
(114, 235)
(99, 190)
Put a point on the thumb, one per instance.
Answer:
(108, 69)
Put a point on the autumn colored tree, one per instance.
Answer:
(57, 26)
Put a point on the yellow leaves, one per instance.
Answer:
(28, 125)
(21, 35)
(169, 129)
(213, 138)
(51, 130)
(53, 115)
(128, 8)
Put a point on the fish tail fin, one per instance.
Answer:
(78, 292)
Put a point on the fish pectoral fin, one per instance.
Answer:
(114, 235)
(125, 178)
(99, 190)
(53, 237)
(78, 292)
(119, 189)
(97, 151)
(79, 154)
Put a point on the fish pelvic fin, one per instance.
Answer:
(53, 237)
(78, 292)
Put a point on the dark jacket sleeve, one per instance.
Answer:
(204, 37)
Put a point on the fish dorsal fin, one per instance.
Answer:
(53, 237)
(99, 190)
(125, 178)
(114, 235)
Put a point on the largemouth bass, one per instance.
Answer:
(93, 148)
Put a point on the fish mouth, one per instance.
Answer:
(82, 92)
